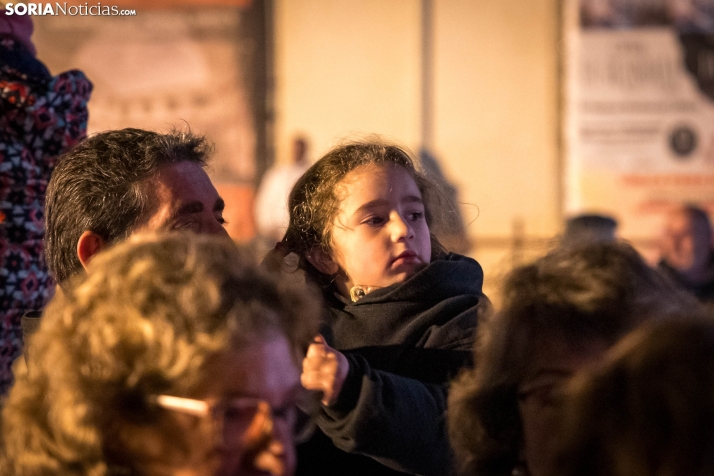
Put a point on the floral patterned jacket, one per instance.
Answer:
(41, 116)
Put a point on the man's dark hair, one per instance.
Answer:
(100, 186)
(587, 229)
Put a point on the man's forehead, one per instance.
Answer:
(183, 169)
(164, 187)
(179, 189)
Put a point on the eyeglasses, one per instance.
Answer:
(246, 419)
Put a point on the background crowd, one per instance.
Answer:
(139, 339)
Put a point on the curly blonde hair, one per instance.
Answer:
(144, 320)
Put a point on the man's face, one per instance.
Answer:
(183, 198)
(685, 244)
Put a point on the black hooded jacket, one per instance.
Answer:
(404, 343)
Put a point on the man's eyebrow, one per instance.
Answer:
(196, 207)
(187, 209)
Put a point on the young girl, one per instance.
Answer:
(400, 318)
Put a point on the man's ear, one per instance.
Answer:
(88, 245)
(322, 262)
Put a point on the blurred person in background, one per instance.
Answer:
(448, 225)
(41, 116)
(586, 229)
(117, 183)
(686, 251)
(648, 410)
(559, 315)
(271, 200)
(172, 356)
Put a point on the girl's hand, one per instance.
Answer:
(324, 369)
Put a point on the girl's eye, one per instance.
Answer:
(374, 221)
(415, 216)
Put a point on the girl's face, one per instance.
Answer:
(380, 236)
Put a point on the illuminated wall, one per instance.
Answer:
(345, 67)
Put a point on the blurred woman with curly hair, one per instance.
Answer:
(173, 355)
(559, 314)
(648, 409)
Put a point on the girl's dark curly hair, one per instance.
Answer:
(314, 200)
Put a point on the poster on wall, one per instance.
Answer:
(197, 68)
(639, 109)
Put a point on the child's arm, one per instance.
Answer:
(324, 369)
(396, 420)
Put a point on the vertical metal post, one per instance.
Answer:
(426, 73)
(518, 241)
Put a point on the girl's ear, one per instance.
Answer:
(322, 262)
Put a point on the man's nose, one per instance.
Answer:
(214, 227)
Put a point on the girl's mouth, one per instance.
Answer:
(406, 257)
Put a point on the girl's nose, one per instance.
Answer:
(400, 228)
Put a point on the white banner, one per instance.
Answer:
(639, 122)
